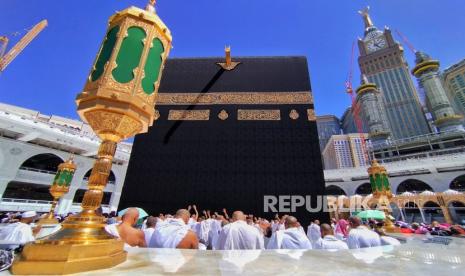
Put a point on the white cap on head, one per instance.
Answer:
(29, 214)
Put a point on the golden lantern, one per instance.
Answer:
(60, 187)
(381, 189)
(117, 102)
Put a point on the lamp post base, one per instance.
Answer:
(63, 257)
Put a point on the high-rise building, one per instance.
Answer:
(344, 151)
(348, 122)
(382, 61)
(368, 97)
(454, 82)
(427, 73)
(328, 125)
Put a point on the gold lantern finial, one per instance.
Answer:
(151, 6)
(228, 65)
(227, 52)
(365, 13)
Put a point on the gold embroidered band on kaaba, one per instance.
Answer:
(258, 115)
(189, 115)
(234, 98)
(242, 115)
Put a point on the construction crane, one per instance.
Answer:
(355, 106)
(406, 42)
(6, 59)
(4, 40)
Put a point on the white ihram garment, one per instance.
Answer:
(291, 238)
(240, 235)
(148, 233)
(314, 233)
(330, 242)
(169, 234)
(214, 234)
(362, 237)
(17, 232)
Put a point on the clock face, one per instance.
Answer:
(372, 35)
(376, 44)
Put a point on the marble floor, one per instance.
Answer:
(417, 256)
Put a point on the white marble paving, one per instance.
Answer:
(412, 258)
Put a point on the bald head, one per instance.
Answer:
(290, 222)
(131, 216)
(183, 214)
(326, 229)
(238, 215)
(355, 221)
(151, 222)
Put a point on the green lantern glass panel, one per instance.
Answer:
(372, 183)
(63, 178)
(152, 66)
(105, 53)
(386, 185)
(379, 184)
(129, 55)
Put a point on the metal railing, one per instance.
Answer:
(86, 179)
(37, 170)
(28, 201)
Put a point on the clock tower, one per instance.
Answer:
(382, 61)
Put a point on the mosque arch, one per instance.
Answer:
(363, 189)
(458, 183)
(27, 191)
(334, 190)
(413, 185)
(42, 162)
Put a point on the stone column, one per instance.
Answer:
(401, 210)
(120, 175)
(3, 184)
(446, 213)
(114, 200)
(422, 214)
(445, 209)
(66, 202)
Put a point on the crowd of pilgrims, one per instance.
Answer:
(239, 231)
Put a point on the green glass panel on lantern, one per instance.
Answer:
(386, 184)
(129, 55)
(372, 183)
(379, 183)
(152, 66)
(105, 53)
(64, 178)
(69, 177)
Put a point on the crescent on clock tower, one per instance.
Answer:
(383, 63)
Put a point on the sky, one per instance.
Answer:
(52, 70)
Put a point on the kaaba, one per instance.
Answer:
(226, 137)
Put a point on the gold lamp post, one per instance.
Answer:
(381, 189)
(60, 187)
(117, 102)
